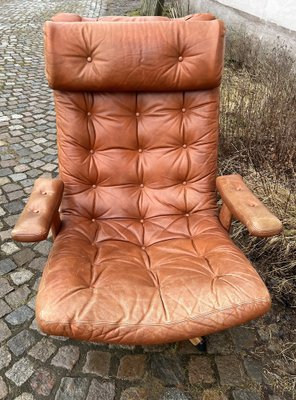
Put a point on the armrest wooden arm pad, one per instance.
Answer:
(246, 207)
(34, 222)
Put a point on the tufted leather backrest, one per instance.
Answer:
(137, 126)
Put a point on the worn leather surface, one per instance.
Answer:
(190, 280)
(34, 223)
(141, 256)
(246, 207)
(154, 55)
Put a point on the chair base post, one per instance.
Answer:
(195, 341)
(225, 217)
(56, 224)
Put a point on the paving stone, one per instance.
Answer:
(18, 177)
(25, 396)
(18, 296)
(72, 388)
(5, 332)
(3, 181)
(132, 367)
(66, 357)
(174, 394)
(254, 369)
(3, 389)
(43, 247)
(134, 393)
(12, 247)
(200, 370)
(15, 195)
(38, 263)
(9, 248)
(5, 287)
(155, 348)
(32, 303)
(24, 256)
(4, 308)
(167, 369)
(5, 171)
(21, 168)
(43, 350)
(6, 266)
(219, 343)
(121, 346)
(213, 394)
(42, 382)
(20, 371)
(244, 338)
(101, 390)
(230, 370)
(98, 363)
(245, 395)
(5, 357)
(21, 276)
(20, 315)
(36, 284)
(5, 235)
(21, 342)
(187, 347)
(14, 207)
(59, 338)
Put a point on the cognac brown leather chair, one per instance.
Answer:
(140, 254)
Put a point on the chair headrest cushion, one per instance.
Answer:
(130, 54)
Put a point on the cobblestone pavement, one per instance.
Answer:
(240, 364)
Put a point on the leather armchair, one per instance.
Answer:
(141, 254)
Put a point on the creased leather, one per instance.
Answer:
(141, 256)
(34, 223)
(190, 280)
(246, 207)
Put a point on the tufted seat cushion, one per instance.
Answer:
(141, 256)
(101, 284)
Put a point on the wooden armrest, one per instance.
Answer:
(246, 207)
(40, 211)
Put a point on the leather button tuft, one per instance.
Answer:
(142, 185)
(89, 59)
(140, 150)
(180, 58)
(183, 110)
(184, 146)
(94, 186)
(187, 215)
(91, 151)
(36, 211)
(143, 247)
(184, 183)
(93, 220)
(89, 113)
(142, 221)
(44, 193)
(137, 114)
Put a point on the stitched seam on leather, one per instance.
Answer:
(164, 323)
